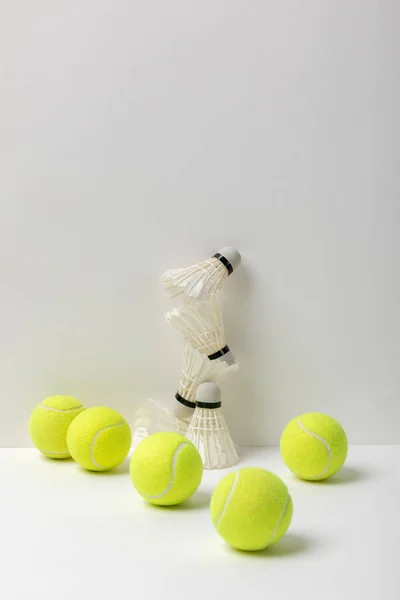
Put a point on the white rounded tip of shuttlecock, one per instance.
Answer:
(208, 393)
(232, 255)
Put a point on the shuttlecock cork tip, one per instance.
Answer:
(208, 395)
(231, 255)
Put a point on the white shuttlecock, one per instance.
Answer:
(175, 414)
(160, 414)
(196, 369)
(203, 279)
(209, 431)
(201, 324)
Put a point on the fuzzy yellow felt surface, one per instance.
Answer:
(49, 423)
(99, 439)
(251, 508)
(314, 446)
(166, 468)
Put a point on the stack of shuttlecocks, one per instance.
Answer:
(207, 360)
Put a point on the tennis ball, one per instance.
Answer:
(100, 439)
(251, 508)
(314, 446)
(49, 422)
(166, 468)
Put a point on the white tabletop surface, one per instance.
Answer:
(70, 534)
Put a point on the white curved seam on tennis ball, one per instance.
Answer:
(60, 409)
(96, 464)
(228, 500)
(173, 468)
(278, 524)
(324, 442)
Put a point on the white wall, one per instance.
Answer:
(138, 135)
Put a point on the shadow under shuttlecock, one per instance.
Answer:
(245, 300)
(289, 545)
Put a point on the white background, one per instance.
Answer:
(141, 135)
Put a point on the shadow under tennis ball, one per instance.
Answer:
(122, 469)
(344, 476)
(56, 461)
(199, 500)
(290, 545)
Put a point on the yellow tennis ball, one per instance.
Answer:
(251, 508)
(49, 422)
(314, 446)
(100, 439)
(166, 468)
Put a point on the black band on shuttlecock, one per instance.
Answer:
(225, 262)
(208, 404)
(219, 353)
(184, 402)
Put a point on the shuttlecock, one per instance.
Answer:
(160, 414)
(175, 414)
(196, 369)
(201, 324)
(209, 431)
(205, 278)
